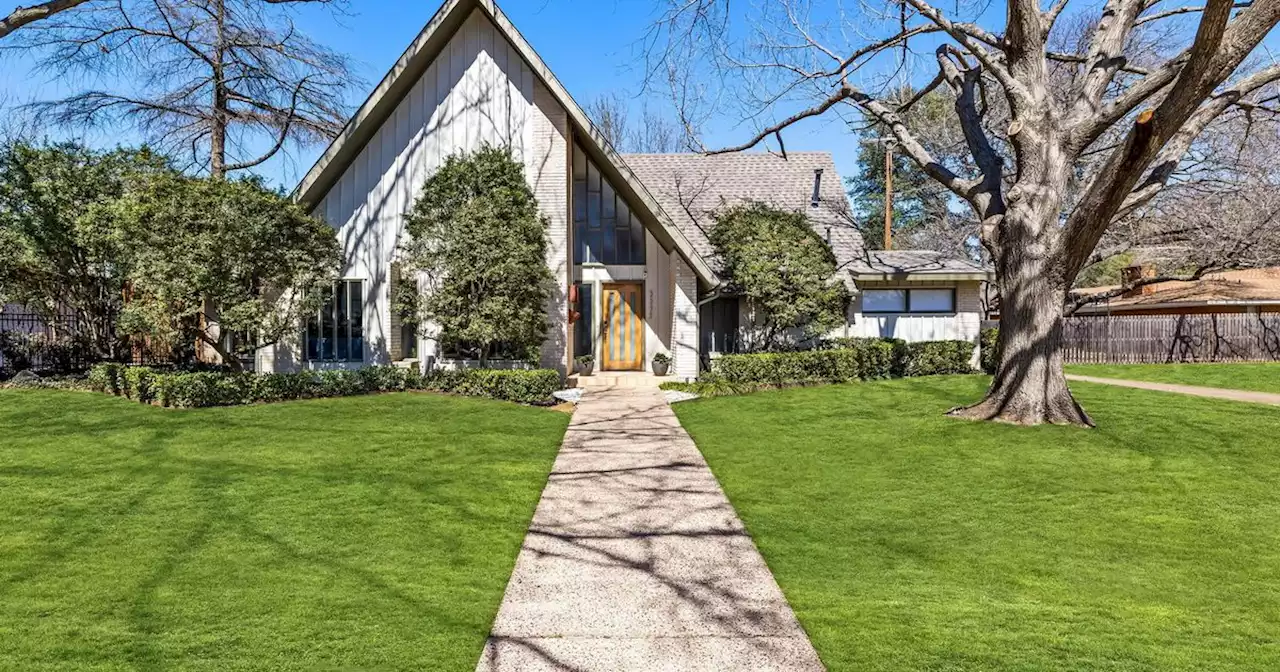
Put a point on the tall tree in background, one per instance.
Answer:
(1062, 142)
(919, 202)
(228, 84)
(655, 134)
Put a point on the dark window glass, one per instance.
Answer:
(605, 229)
(582, 342)
(336, 332)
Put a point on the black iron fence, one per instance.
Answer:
(63, 344)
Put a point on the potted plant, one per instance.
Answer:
(661, 363)
(585, 364)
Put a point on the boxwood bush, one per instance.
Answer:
(840, 360)
(204, 389)
(988, 355)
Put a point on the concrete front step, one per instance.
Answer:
(611, 379)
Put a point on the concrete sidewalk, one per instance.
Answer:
(1194, 390)
(635, 559)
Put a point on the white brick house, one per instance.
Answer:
(637, 263)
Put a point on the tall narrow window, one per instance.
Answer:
(606, 230)
(582, 337)
(335, 333)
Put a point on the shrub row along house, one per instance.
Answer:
(633, 272)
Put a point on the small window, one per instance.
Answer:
(884, 301)
(932, 301)
(335, 333)
(908, 301)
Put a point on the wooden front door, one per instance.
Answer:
(623, 327)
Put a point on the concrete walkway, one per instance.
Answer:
(1215, 392)
(635, 559)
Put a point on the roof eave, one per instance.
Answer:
(922, 276)
(401, 77)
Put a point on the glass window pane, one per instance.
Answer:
(593, 179)
(884, 301)
(342, 338)
(622, 237)
(593, 210)
(933, 301)
(596, 236)
(579, 163)
(357, 320)
(608, 202)
(580, 241)
(580, 199)
(610, 250)
(327, 325)
(637, 241)
(582, 341)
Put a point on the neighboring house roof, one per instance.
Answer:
(915, 265)
(410, 66)
(693, 187)
(1244, 287)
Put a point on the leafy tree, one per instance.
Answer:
(59, 249)
(226, 262)
(785, 270)
(476, 233)
(918, 200)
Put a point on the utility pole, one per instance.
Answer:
(888, 195)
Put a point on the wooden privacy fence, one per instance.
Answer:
(1158, 339)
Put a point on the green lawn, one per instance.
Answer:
(1260, 377)
(358, 533)
(906, 540)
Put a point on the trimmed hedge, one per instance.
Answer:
(842, 360)
(205, 389)
(937, 358)
(988, 340)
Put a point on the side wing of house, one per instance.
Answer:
(477, 90)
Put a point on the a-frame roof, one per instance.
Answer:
(415, 60)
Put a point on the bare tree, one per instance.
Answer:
(655, 134)
(1094, 129)
(228, 83)
(22, 16)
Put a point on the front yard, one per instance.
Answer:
(1256, 376)
(355, 533)
(906, 540)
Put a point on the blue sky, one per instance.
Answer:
(590, 45)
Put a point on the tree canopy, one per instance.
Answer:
(476, 234)
(783, 268)
(227, 262)
(60, 252)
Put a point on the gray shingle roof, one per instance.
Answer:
(692, 187)
(912, 262)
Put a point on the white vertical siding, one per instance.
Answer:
(479, 90)
(658, 299)
(548, 172)
(963, 325)
(684, 309)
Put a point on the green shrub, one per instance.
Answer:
(988, 354)
(933, 358)
(106, 378)
(204, 389)
(852, 359)
(138, 384)
(529, 386)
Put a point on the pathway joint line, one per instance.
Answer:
(1192, 390)
(635, 559)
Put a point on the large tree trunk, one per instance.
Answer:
(1030, 387)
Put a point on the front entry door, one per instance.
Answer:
(623, 327)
